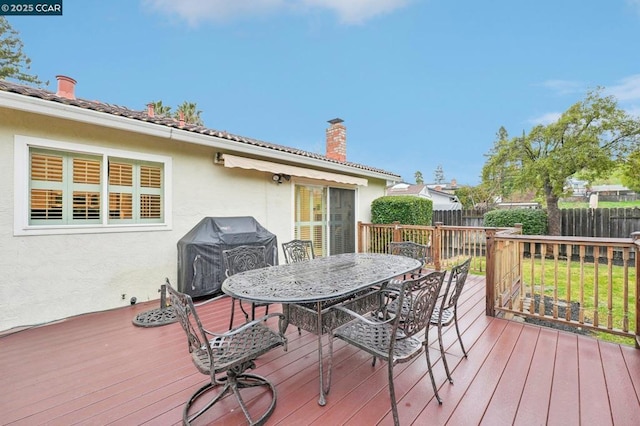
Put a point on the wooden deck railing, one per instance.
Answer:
(449, 244)
(584, 283)
(579, 282)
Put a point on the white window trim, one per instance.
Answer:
(22, 145)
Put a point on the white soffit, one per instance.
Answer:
(266, 166)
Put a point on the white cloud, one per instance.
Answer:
(564, 87)
(635, 4)
(628, 89)
(545, 119)
(197, 11)
(357, 11)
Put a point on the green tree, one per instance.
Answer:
(589, 138)
(630, 171)
(439, 175)
(474, 196)
(500, 170)
(418, 178)
(160, 109)
(190, 112)
(13, 62)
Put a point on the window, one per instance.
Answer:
(79, 187)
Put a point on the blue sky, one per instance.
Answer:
(418, 83)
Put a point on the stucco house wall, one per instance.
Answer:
(51, 277)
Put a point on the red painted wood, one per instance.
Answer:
(100, 369)
(564, 405)
(534, 403)
(622, 395)
(594, 408)
(503, 406)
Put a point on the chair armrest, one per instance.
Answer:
(361, 317)
(247, 325)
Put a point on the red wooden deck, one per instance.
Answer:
(99, 369)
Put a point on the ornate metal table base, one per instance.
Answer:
(319, 318)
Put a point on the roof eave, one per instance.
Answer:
(70, 112)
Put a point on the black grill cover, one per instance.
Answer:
(200, 264)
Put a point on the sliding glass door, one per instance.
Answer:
(342, 227)
(326, 216)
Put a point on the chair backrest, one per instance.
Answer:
(298, 250)
(197, 340)
(418, 297)
(409, 249)
(244, 258)
(455, 284)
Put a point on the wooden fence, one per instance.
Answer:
(601, 222)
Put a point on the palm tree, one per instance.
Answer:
(190, 113)
(160, 109)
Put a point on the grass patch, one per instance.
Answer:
(601, 204)
(602, 296)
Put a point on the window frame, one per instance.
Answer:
(22, 183)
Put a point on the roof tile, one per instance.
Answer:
(98, 106)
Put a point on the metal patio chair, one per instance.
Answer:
(225, 357)
(447, 311)
(413, 250)
(240, 259)
(397, 338)
(298, 250)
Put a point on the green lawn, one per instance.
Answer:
(602, 204)
(588, 301)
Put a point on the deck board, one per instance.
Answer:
(100, 369)
(593, 387)
(505, 398)
(564, 404)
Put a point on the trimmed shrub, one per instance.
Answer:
(405, 209)
(534, 221)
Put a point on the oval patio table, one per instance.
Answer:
(318, 281)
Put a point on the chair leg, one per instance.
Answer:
(433, 380)
(246, 380)
(233, 309)
(443, 355)
(232, 384)
(392, 395)
(455, 319)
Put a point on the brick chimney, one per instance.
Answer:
(151, 110)
(337, 140)
(66, 87)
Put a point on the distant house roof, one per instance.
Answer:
(144, 116)
(407, 189)
(441, 200)
(609, 188)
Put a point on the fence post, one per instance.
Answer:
(436, 244)
(490, 287)
(397, 232)
(518, 227)
(360, 236)
(636, 243)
